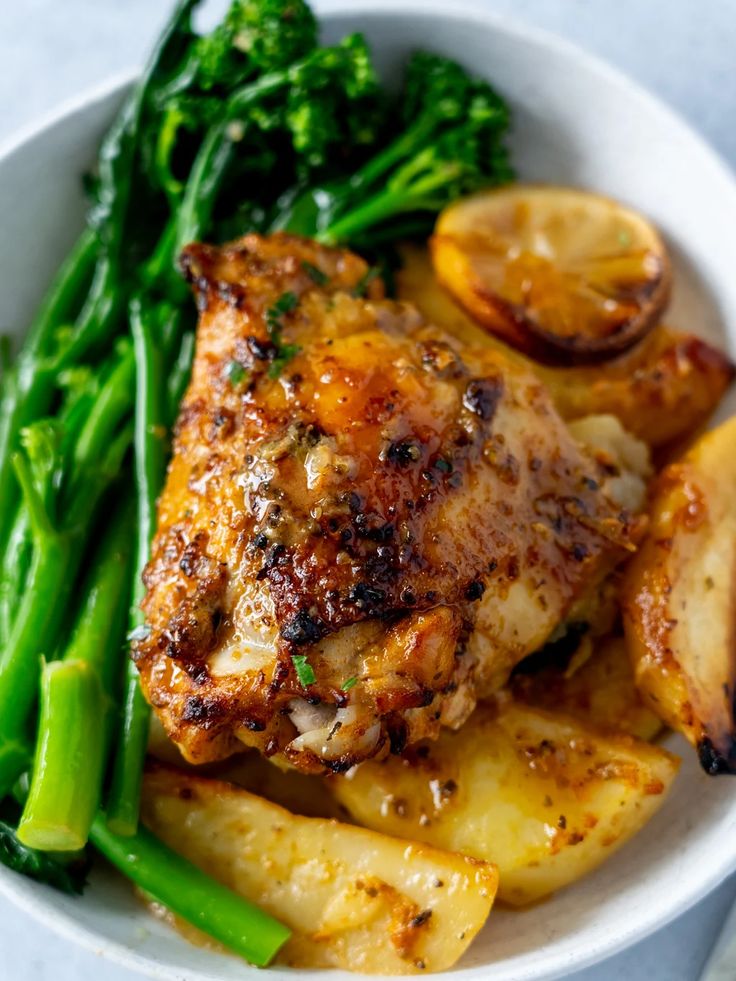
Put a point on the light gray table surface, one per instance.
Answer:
(52, 50)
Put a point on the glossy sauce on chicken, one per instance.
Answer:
(365, 524)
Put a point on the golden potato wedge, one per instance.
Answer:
(353, 898)
(544, 797)
(661, 390)
(600, 691)
(562, 274)
(679, 599)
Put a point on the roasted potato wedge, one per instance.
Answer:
(679, 599)
(353, 898)
(662, 390)
(598, 689)
(564, 275)
(544, 797)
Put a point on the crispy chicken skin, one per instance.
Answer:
(358, 499)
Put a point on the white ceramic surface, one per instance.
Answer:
(576, 122)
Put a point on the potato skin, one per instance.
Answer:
(354, 899)
(543, 796)
(662, 390)
(679, 599)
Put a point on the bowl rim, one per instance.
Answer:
(472, 12)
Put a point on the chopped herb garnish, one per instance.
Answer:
(361, 287)
(283, 352)
(304, 670)
(444, 465)
(315, 273)
(285, 304)
(350, 683)
(236, 373)
(286, 353)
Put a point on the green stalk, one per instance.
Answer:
(96, 320)
(33, 392)
(372, 212)
(412, 188)
(109, 409)
(6, 358)
(127, 775)
(35, 627)
(209, 168)
(57, 555)
(151, 440)
(179, 376)
(13, 571)
(316, 211)
(120, 147)
(158, 266)
(33, 389)
(69, 759)
(117, 172)
(63, 299)
(402, 148)
(184, 889)
(213, 158)
(76, 702)
(80, 393)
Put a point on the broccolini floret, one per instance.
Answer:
(255, 36)
(451, 142)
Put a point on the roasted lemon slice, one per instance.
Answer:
(562, 274)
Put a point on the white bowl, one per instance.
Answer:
(576, 122)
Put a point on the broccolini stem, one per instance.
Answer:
(130, 753)
(150, 440)
(386, 204)
(13, 571)
(70, 750)
(76, 701)
(192, 895)
(159, 265)
(213, 158)
(108, 411)
(96, 321)
(402, 148)
(31, 394)
(35, 628)
(117, 156)
(209, 168)
(33, 390)
(151, 437)
(57, 556)
(179, 375)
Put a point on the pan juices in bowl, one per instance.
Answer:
(641, 888)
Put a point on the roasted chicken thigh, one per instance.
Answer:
(365, 524)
